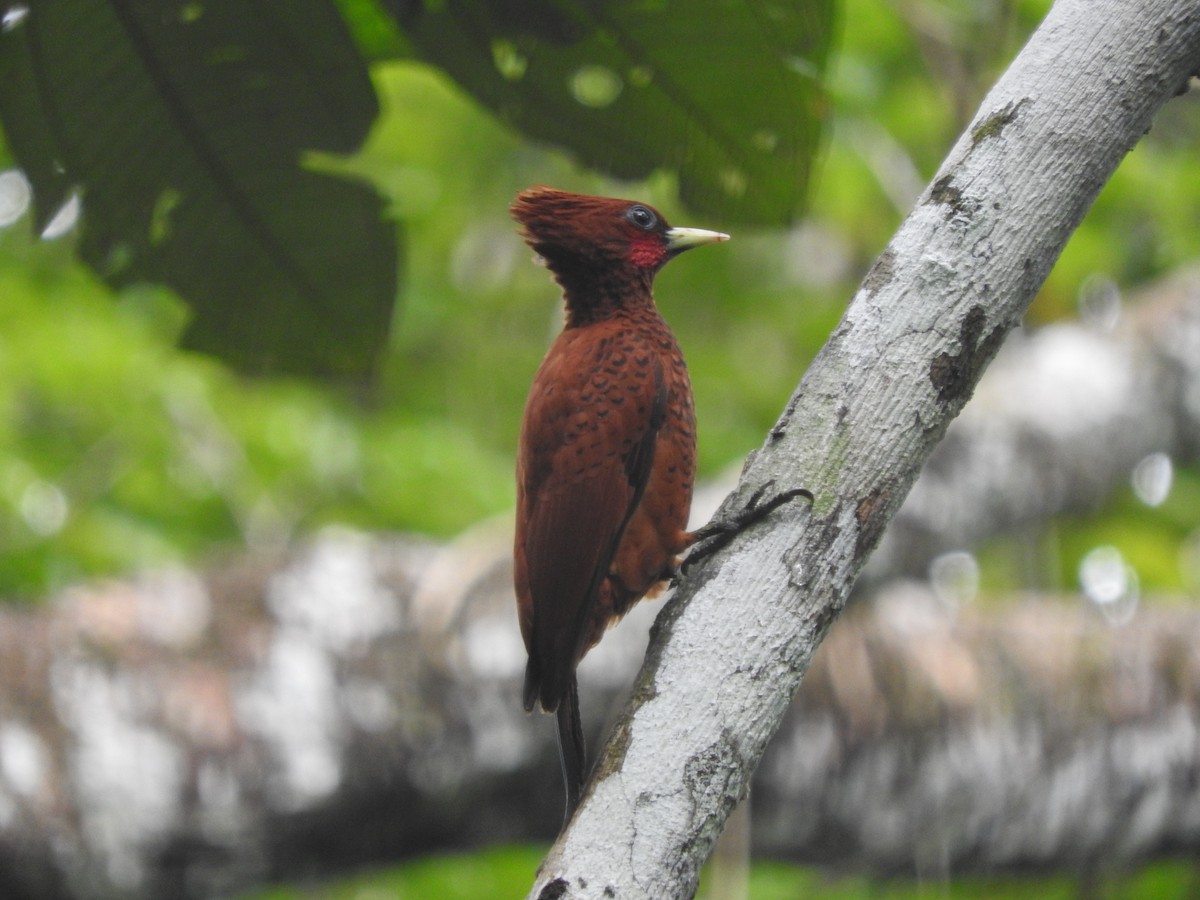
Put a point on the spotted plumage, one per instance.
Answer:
(607, 452)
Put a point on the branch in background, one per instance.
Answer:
(933, 742)
(357, 702)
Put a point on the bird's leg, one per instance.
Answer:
(710, 538)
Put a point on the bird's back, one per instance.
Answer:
(604, 481)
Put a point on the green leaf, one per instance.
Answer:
(374, 31)
(185, 127)
(726, 94)
(32, 143)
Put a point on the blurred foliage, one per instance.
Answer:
(632, 88)
(186, 129)
(501, 873)
(118, 449)
(197, 132)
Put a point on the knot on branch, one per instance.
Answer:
(994, 125)
(954, 375)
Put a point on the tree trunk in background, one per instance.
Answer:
(1038, 738)
(358, 701)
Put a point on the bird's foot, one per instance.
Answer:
(710, 538)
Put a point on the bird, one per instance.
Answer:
(607, 450)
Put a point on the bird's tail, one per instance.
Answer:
(571, 751)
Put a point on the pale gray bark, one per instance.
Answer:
(1060, 422)
(934, 740)
(732, 647)
(353, 701)
(357, 700)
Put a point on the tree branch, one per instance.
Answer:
(731, 648)
(940, 740)
(1059, 422)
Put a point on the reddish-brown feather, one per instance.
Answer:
(582, 425)
(608, 444)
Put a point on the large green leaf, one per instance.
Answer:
(30, 138)
(727, 93)
(184, 125)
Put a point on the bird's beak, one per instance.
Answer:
(680, 239)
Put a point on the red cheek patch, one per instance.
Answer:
(647, 251)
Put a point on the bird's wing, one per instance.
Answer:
(587, 447)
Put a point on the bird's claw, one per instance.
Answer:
(710, 538)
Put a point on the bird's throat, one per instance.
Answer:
(590, 308)
(594, 297)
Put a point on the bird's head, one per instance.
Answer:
(601, 243)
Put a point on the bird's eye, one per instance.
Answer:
(641, 217)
